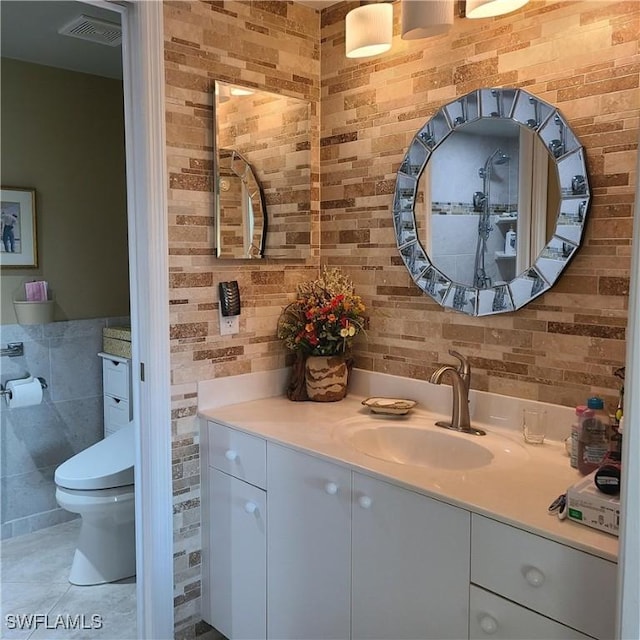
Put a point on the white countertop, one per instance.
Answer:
(517, 493)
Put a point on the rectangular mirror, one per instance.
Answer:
(262, 174)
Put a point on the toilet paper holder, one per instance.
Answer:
(13, 349)
(7, 392)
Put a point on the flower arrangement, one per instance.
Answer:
(325, 317)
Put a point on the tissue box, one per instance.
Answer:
(588, 505)
(117, 341)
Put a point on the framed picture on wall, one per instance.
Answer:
(18, 247)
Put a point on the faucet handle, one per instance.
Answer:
(464, 369)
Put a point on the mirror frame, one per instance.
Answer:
(525, 109)
(239, 166)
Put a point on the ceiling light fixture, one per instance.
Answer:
(240, 91)
(369, 30)
(426, 18)
(491, 8)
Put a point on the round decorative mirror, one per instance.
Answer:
(491, 201)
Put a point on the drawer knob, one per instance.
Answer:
(231, 455)
(534, 576)
(488, 624)
(331, 488)
(250, 507)
(364, 502)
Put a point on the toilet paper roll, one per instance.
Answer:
(24, 393)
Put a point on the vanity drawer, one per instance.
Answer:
(493, 617)
(115, 378)
(567, 585)
(239, 454)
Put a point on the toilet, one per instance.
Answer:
(97, 483)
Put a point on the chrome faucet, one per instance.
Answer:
(460, 383)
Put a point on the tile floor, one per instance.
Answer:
(35, 569)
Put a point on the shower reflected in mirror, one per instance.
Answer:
(481, 279)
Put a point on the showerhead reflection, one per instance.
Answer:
(497, 157)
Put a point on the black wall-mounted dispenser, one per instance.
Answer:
(229, 298)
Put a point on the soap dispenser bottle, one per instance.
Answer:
(510, 242)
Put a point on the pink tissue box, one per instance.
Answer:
(36, 291)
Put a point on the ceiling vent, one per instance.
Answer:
(94, 30)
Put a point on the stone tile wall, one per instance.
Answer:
(273, 46)
(581, 56)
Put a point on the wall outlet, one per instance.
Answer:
(229, 325)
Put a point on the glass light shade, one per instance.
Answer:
(490, 8)
(426, 18)
(369, 30)
(240, 91)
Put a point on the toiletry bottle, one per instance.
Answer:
(615, 437)
(593, 440)
(615, 443)
(510, 242)
(609, 474)
(576, 427)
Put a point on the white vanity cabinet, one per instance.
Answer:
(570, 587)
(309, 551)
(298, 547)
(116, 388)
(410, 559)
(236, 545)
(350, 556)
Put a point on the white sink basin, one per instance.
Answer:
(424, 445)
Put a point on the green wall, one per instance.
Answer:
(63, 135)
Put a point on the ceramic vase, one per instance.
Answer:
(326, 378)
(297, 387)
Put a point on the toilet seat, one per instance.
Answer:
(105, 465)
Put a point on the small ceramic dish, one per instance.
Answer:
(389, 406)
